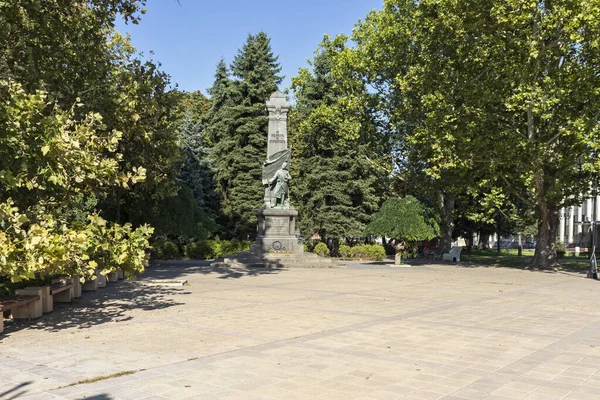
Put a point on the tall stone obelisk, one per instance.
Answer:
(278, 108)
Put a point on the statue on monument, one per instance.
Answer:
(276, 176)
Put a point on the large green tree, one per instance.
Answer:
(80, 118)
(240, 139)
(406, 220)
(336, 147)
(71, 51)
(505, 88)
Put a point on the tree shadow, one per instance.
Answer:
(178, 268)
(511, 263)
(109, 304)
(15, 392)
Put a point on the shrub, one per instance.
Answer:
(345, 251)
(376, 252)
(321, 249)
(561, 250)
(164, 249)
(197, 250)
(373, 252)
(210, 249)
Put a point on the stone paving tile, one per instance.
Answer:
(427, 332)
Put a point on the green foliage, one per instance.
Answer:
(53, 156)
(561, 249)
(197, 170)
(345, 251)
(80, 119)
(404, 219)
(321, 249)
(114, 246)
(211, 249)
(336, 152)
(44, 248)
(165, 249)
(489, 93)
(373, 252)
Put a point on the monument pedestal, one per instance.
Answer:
(276, 245)
(276, 231)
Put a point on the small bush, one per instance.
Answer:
(164, 249)
(198, 250)
(321, 249)
(345, 251)
(376, 252)
(211, 249)
(372, 252)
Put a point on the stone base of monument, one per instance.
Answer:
(276, 231)
(276, 245)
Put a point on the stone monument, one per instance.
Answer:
(276, 243)
(276, 218)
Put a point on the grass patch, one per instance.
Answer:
(509, 258)
(506, 258)
(101, 378)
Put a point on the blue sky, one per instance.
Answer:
(190, 37)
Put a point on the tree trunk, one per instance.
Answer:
(446, 205)
(118, 204)
(545, 249)
(520, 248)
(399, 247)
(470, 243)
(484, 240)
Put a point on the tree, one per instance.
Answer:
(506, 88)
(334, 147)
(197, 171)
(50, 162)
(405, 219)
(240, 138)
(80, 118)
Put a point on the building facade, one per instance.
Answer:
(575, 224)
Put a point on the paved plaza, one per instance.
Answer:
(362, 332)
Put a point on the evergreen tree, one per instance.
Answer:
(238, 129)
(335, 188)
(197, 171)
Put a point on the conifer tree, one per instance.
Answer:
(238, 128)
(197, 170)
(335, 188)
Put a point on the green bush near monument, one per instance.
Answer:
(211, 249)
(321, 249)
(372, 252)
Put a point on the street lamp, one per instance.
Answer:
(593, 266)
(593, 272)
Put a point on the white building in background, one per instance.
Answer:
(574, 229)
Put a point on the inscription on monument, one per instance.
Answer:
(277, 226)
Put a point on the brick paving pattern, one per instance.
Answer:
(363, 332)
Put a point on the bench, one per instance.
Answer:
(47, 301)
(112, 277)
(76, 282)
(61, 292)
(25, 304)
(454, 254)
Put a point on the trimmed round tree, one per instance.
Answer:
(404, 219)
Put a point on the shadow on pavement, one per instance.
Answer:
(109, 304)
(15, 392)
(176, 269)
